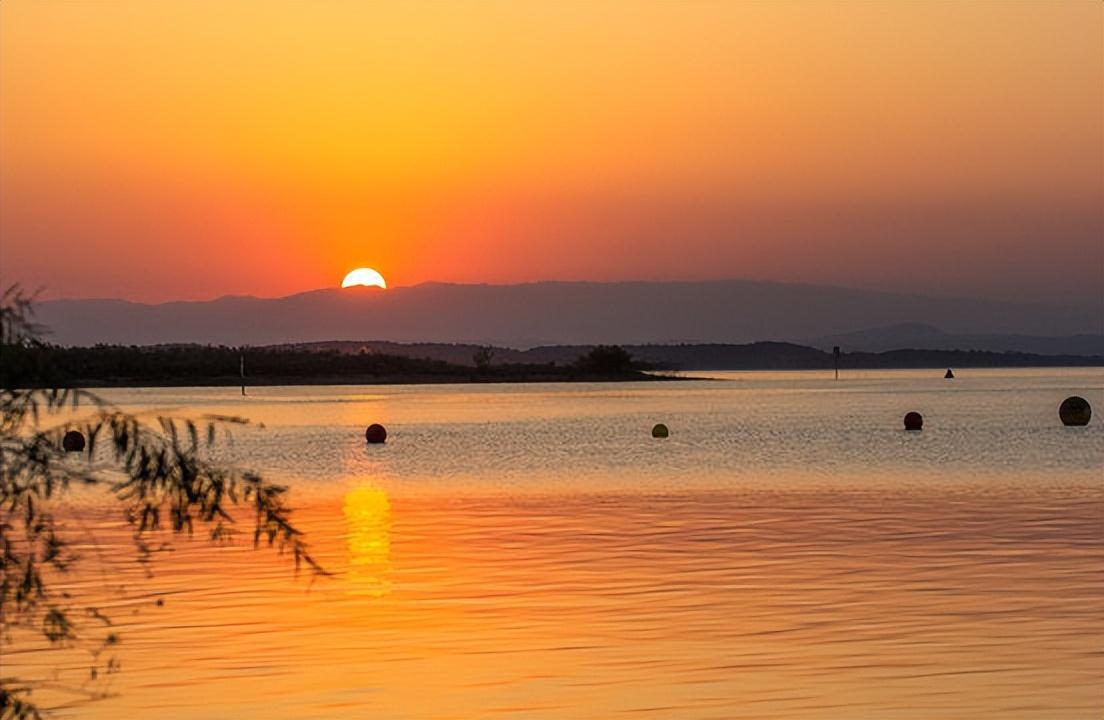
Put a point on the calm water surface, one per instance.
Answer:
(530, 551)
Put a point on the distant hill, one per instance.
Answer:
(551, 313)
(927, 337)
(750, 356)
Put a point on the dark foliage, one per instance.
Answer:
(116, 365)
(607, 360)
(158, 472)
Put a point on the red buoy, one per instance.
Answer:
(914, 421)
(375, 433)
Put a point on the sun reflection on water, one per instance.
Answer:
(368, 535)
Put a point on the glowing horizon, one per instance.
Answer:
(188, 150)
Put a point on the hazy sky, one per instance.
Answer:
(160, 149)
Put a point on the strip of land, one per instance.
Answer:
(341, 363)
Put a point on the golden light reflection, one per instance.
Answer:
(368, 534)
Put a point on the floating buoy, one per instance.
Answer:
(914, 421)
(73, 441)
(375, 433)
(1075, 410)
(660, 431)
(948, 375)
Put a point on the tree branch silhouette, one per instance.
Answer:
(158, 472)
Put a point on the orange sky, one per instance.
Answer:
(195, 148)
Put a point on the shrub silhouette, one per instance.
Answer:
(607, 360)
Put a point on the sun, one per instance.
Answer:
(364, 276)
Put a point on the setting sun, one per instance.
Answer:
(364, 276)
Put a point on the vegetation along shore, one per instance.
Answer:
(365, 363)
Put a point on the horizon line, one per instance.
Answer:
(400, 288)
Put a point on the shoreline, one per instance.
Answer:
(534, 379)
(94, 383)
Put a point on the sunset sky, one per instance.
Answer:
(158, 150)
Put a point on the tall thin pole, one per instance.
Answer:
(836, 355)
(241, 369)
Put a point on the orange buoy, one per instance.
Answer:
(914, 421)
(375, 433)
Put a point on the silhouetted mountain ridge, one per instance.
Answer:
(551, 313)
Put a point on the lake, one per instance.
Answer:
(530, 551)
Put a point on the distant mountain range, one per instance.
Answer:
(586, 313)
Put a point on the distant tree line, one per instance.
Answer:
(712, 356)
(962, 359)
(789, 356)
(118, 365)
